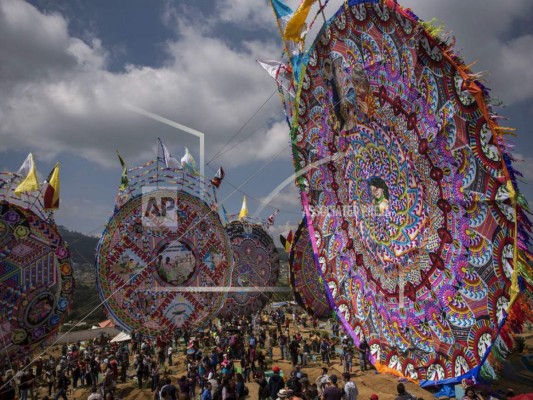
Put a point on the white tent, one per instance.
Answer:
(121, 337)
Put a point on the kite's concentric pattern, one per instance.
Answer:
(157, 279)
(305, 279)
(414, 217)
(256, 268)
(36, 282)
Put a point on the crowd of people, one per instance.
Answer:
(220, 362)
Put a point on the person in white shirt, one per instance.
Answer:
(350, 388)
(95, 395)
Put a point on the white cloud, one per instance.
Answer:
(63, 92)
(287, 198)
(247, 14)
(494, 34)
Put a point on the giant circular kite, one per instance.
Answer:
(409, 193)
(256, 268)
(36, 283)
(161, 261)
(305, 279)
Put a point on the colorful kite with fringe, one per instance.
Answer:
(36, 279)
(256, 269)
(304, 277)
(411, 199)
(164, 255)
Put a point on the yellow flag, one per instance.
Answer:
(294, 27)
(244, 209)
(30, 183)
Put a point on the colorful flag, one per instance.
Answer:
(244, 209)
(293, 48)
(170, 162)
(124, 181)
(29, 183)
(296, 25)
(286, 241)
(51, 193)
(272, 218)
(281, 73)
(217, 179)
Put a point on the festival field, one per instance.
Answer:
(368, 383)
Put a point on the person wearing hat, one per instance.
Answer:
(331, 391)
(350, 388)
(284, 394)
(275, 383)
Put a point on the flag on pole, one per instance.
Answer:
(281, 73)
(272, 218)
(170, 162)
(244, 209)
(293, 48)
(124, 181)
(286, 241)
(296, 24)
(29, 183)
(51, 193)
(187, 162)
(217, 179)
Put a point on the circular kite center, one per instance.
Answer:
(176, 263)
(40, 309)
(385, 193)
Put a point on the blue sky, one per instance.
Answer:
(67, 68)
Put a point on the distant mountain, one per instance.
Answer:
(82, 247)
(83, 252)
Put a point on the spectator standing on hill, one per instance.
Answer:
(331, 391)
(364, 349)
(403, 395)
(350, 388)
(324, 351)
(276, 383)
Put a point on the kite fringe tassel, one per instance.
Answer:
(434, 27)
(487, 372)
(500, 351)
(505, 130)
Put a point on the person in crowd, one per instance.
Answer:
(470, 394)
(62, 386)
(275, 383)
(350, 388)
(206, 392)
(331, 390)
(94, 395)
(403, 395)
(364, 351)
